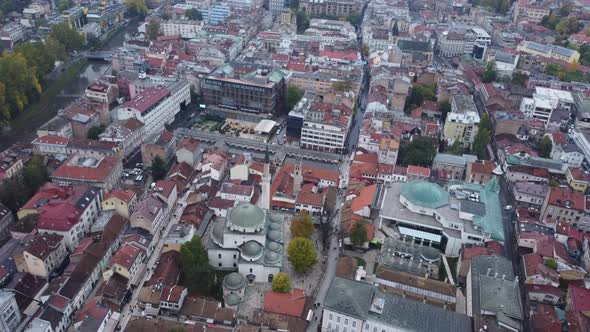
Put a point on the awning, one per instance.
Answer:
(420, 234)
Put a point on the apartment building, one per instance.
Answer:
(183, 28)
(462, 122)
(563, 204)
(530, 194)
(128, 134)
(459, 40)
(101, 172)
(44, 253)
(101, 92)
(544, 102)
(337, 8)
(10, 316)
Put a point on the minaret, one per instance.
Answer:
(264, 201)
(297, 178)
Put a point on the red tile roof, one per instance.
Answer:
(164, 188)
(237, 189)
(290, 304)
(167, 271)
(579, 175)
(58, 302)
(559, 138)
(564, 197)
(42, 245)
(365, 198)
(418, 170)
(219, 203)
(56, 140)
(123, 195)
(127, 255)
(483, 167)
(73, 171)
(147, 99)
(189, 143)
(534, 265)
(172, 293)
(310, 198)
(579, 297)
(93, 308)
(367, 157)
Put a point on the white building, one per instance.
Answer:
(184, 29)
(544, 102)
(248, 240)
(9, 312)
(462, 122)
(506, 63)
(237, 192)
(156, 106)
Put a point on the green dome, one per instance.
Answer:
(275, 236)
(272, 257)
(275, 218)
(217, 233)
(251, 250)
(234, 281)
(232, 299)
(275, 227)
(273, 246)
(246, 216)
(425, 194)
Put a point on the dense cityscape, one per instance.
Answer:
(294, 165)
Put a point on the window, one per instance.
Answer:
(250, 270)
(219, 264)
(345, 321)
(330, 317)
(338, 319)
(219, 256)
(353, 324)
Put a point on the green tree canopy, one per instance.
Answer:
(20, 84)
(355, 19)
(480, 143)
(37, 57)
(136, 8)
(490, 74)
(302, 22)
(281, 283)
(67, 36)
(292, 96)
(302, 226)
(94, 132)
(195, 266)
(64, 4)
(395, 29)
(302, 254)
(35, 174)
(551, 263)
(519, 78)
(544, 147)
(159, 168)
(419, 152)
(193, 14)
(358, 233)
(484, 122)
(418, 94)
(152, 29)
(456, 148)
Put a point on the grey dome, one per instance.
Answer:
(274, 236)
(275, 218)
(273, 246)
(272, 257)
(246, 216)
(251, 250)
(217, 233)
(275, 227)
(232, 299)
(430, 254)
(234, 281)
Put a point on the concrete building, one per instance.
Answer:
(101, 172)
(121, 201)
(449, 166)
(6, 220)
(183, 28)
(11, 165)
(10, 316)
(128, 134)
(549, 51)
(357, 306)
(101, 92)
(462, 122)
(459, 40)
(544, 102)
(13, 33)
(563, 204)
(156, 106)
(530, 194)
(467, 213)
(163, 147)
(336, 8)
(248, 240)
(44, 253)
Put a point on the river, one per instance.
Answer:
(71, 92)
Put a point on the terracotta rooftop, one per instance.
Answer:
(567, 198)
(291, 304)
(83, 168)
(126, 255)
(121, 194)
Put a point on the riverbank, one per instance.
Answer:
(42, 110)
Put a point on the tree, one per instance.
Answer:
(281, 283)
(365, 50)
(159, 168)
(55, 49)
(302, 254)
(456, 148)
(152, 29)
(358, 234)
(480, 143)
(64, 4)
(551, 263)
(94, 132)
(484, 122)
(419, 152)
(544, 147)
(490, 74)
(136, 8)
(355, 19)
(193, 14)
(292, 96)
(418, 94)
(67, 36)
(302, 22)
(552, 69)
(37, 57)
(195, 266)
(20, 84)
(444, 107)
(35, 174)
(302, 226)
(395, 29)
(519, 78)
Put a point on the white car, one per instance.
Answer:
(508, 207)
